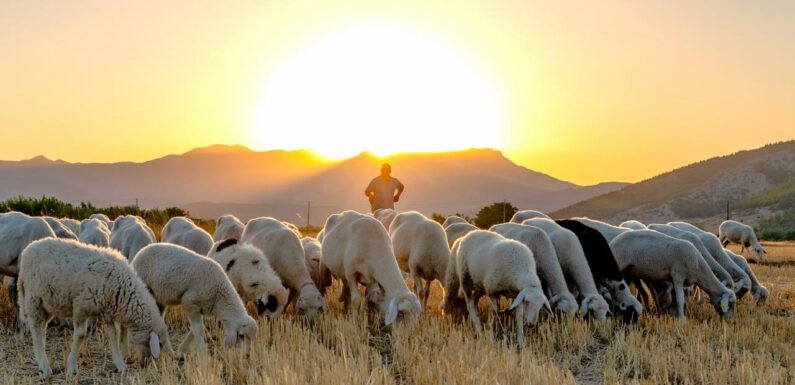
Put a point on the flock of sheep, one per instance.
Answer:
(114, 272)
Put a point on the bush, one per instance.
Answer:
(495, 213)
(780, 227)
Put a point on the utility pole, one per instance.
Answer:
(727, 211)
(308, 211)
(504, 201)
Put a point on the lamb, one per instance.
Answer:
(94, 232)
(103, 218)
(59, 229)
(282, 246)
(653, 256)
(182, 231)
(453, 219)
(574, 265)
(632, 225)
(723, 276)
(312, 259)
(129, 235)
(251, 275)
(421, 248)
(521, 216)
(742, 283)
(176, 275)
(758, 292)
(357, 249)
(64, 278)
(72, 224)
(385, 216)
(735, 232)
(604, 268)
(228, 226)
(546, 259)
(486, 263)
(457, 230)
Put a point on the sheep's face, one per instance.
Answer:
(724, 304)
(310, 302)
(595, 306)
(760, 252)
(272, 304)
(564, 303)
(149, 343)
(625, 303)
(405, 304)
(242, 334)
(530, 302)
(742, 286)
(760, 295)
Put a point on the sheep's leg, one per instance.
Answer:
(38, 332)
(519, 317)
(110, 331)
(680, 299)
(123, 345)
(353, 292)
(80, 325)
(196, 331)
(418, 287)
(345, 295)
(473, 310)
(427, 291)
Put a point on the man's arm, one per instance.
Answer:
(399, 190)
(369, 190)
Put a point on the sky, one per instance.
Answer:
(585, 91)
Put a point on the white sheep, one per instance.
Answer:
(546, 260)
(453, 219)
(282, 246)
(385, 216)
(457, 230)
(312, 257)
(94, 232)
(68, 279)
(72, 224)
(17, 231)
(228, 226)
(103, 218)
(420, 246)
(357, 249)
(633, 225)
(486, 263)
(252, 276)
(60, 230)
(521, 216)
(176, 275)
(182, 231)
(653, 256)
(723, 276)
(735, 232)
(759, 292)
(574, 265)
(129, 235)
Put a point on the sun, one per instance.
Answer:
(378, 88)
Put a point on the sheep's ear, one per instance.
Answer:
(230, 264)
(154, 345)
(391, 312)
(226, 243)
(518, 300)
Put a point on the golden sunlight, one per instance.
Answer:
(384, 89)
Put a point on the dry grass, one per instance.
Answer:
(753, 347)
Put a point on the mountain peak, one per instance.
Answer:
(219, 149)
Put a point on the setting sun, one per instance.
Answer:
(384, 89)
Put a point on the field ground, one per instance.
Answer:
(753, 347)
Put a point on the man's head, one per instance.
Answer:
(386, 169)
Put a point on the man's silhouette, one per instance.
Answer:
(381, 190)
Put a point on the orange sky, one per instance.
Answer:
(584, 91)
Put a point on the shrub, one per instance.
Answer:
(495, 213)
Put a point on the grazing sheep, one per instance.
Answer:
(282, 246)
(487, 263)
(546, 259)
(453, 219)
(357, 249)
(176, 275)
(59, 229)
(17, 231)
(723, 276)
(182, 231)
(742, 283)
(604, 268)
(633, 225)
(574, 265)
(103, 218)
(228, 226)
(421, 248)
(67, 279)
(129, 235)
(653, 256)
(72, 224)
(735, 232)
(758, 292)
(251, 275)
(312, 253)
(457, 230)
(521, 216)
(385, 216)
(94, 232)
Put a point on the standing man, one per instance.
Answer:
(381, 190)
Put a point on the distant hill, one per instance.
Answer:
(756, 184)
(234, 179)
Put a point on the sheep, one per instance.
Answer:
(251, 275)
(94, 232)
(65, 278)
(604, 268)
(385, 216)
(632, 225)
(103, 218)
(59, 229)
(228, 226)
(182, 231)
(72, 224)
(521, 216)
(176, 275)
(357, 249)
(546, 259)
(758, 292)
(457, 230)
(742, 283)
(723, 276)
(312, 259)
(421, 248)
(486, 263)
(574, 265)
(654, 256)
(282, 246)
(453, 219)
(735, 232)
(129, 235)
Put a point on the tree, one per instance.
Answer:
(441, 217)
(494, 213)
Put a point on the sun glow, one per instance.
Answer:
(383, 89)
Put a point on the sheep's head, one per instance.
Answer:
(252, 275)
(742, 286)
(241, 333)
(595, 306)
(760, 295)
(724, 304)
(310, 302)
(626, 304)
(528, 304)
(760, 252)
(272, 304)
(564, 303)
(728, 283)
(405, 304)
(148, 343)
